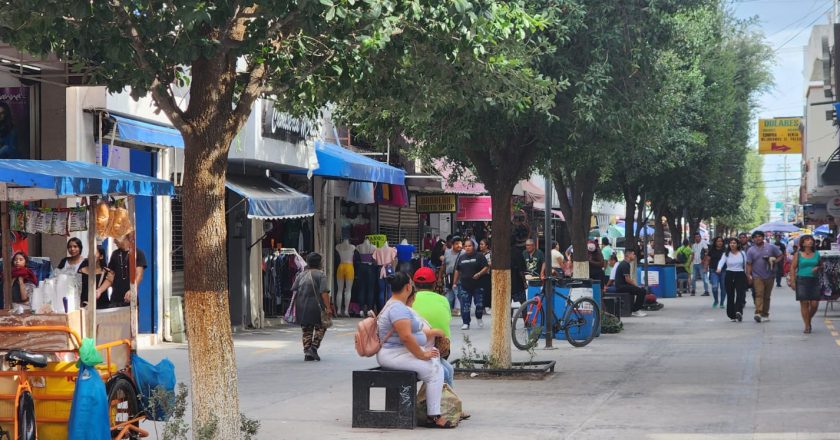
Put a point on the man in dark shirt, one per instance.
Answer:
(469, 268)
(624, 283)
(534, 260)
(119, 264)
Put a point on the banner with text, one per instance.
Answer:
(780, 136)
(435, 203)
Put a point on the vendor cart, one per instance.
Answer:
(39, 351)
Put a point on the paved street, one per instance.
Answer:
(683, 372)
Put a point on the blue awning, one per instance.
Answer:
(68, 178)
(340, 163)
(270, 199)
(141, 132)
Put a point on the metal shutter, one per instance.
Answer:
(398, 224)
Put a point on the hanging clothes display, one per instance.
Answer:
(280, 268)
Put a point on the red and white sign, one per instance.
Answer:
(474, 209)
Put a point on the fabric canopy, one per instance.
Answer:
(340, 163)
(270, 199)
(474, 209)
(777, 226)
(467, 184)
(68, 178)
(540, 206)
(136, 131)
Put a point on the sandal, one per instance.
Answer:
(807, 330)
(431, 422)
(465, 416)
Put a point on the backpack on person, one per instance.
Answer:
(367, 335)
(681, 258)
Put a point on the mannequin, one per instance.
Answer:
(367, 277)
(385, 257)
(405, 252)
(344, 276)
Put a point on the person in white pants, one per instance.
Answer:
(403, 339)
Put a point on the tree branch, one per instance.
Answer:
(164, 99)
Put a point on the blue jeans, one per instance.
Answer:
(467, 297)
(698, 273)
(452, 293)
(367, 285)
(448, 372)
(716, 279)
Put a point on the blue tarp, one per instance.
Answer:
(270, 199)
(341, 163)
(68, 178)
(148, 133)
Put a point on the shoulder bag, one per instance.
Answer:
(326, 319)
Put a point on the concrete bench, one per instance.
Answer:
(400, 399)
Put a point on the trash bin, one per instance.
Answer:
(662, 279)
(573, 289)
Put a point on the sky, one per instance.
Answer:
(786, 25)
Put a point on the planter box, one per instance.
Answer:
(534, 370)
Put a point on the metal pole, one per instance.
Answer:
(549, 288)
(92, 262)
(7, 253)
(645, 228)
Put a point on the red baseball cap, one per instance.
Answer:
(424, 275)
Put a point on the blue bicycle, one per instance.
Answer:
(580, 321)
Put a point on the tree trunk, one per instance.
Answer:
(212, 362)
(630, 197)
(578, 212)
(659, 251)
(500, 329)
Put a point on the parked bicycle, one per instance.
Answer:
(580, 321)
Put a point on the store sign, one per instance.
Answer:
(474, 209)
(780, 136)
(14, 122)
(433, 203)
(286, 127)
(377, 240)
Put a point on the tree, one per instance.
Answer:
(228, 53)
(483, 106)
(754, 208)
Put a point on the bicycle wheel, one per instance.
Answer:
(124, 405)
(581, 321)
(527, 325)
(26, 417)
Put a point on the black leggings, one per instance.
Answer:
(736, 292)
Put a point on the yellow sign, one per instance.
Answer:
(377, 240)
(780, 136)
(431, 203)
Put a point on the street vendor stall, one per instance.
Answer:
(46, 332)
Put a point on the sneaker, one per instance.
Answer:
(733, 319)
(638, 314)
(314, 353)
(765, 318)
(456, 312)
(757, 318)
(487, 311)
(692, 293)
(705, 294)
(738, 316)
(307, 355)
(465, 327)
(515, 304)
(480, 323)
(722, 306)
(714, 305)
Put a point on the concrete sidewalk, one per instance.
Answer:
(683, 372)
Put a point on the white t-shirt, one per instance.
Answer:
(556, 259)
(733, 262)
(697, 249)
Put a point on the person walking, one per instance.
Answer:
(716, 278)
(804, 279)
(780, 266)
(312, 295)
(469, 269)
(735, 279)
(487, 278)
(761, 273)
(699, 264)
(450, 257)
